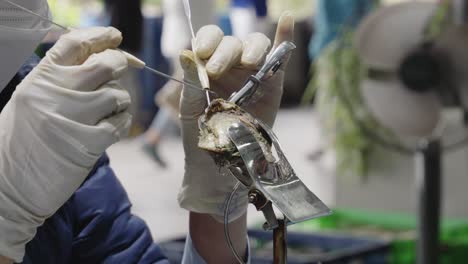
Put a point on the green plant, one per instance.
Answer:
(336, 85)
(153, 2)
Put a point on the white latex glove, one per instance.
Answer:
(60, 120)
(229, 63)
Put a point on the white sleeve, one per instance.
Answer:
(16, 16)
(33, 5)
(191, 255)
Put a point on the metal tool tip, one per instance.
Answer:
(207, 92)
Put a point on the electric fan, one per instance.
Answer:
(413, 71)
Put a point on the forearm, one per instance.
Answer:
(208, 238)
(5, 260)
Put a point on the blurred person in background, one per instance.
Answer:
(127, 17)
(331, 17)
(175, 37)
(248, 16)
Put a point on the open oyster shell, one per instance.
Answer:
(214, 136)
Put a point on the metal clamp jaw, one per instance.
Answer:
(272, 64)
(272, 182)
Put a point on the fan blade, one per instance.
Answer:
(388, 34)
(452, 46)
(403, 111)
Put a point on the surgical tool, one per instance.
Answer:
(201, 66)
(272, 65)
(269, 183)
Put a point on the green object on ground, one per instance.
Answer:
(400, 229)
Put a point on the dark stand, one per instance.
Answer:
(279, 226)
(279, 243)
(428, 182)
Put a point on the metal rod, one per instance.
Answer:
(227, 234)
(202, 73)
(280, 246)
(172, 78)
(188, 14)
(208, 99)
(428, 177)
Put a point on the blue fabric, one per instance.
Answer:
(259, 5)
(261, 8)
(95, 226)
(331, 16)
(241, 3)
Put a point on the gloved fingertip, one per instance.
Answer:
(285, 29)
(286, 19)
(214, 69)
(249, 63)
(256, 46)
(119, 123)
(133, 61)
(207, 40)
(252, 61)
(115, 60)
(227, 54)
(115, 36)
(186, 58)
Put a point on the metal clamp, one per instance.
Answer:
(276, 180)
(272, 65)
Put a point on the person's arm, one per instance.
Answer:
(61, 118)
(4, 260)
(206, 187)
(105, 229)
(208, 238)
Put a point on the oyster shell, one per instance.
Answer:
(214, 136)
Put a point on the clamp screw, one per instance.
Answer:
(253, 198)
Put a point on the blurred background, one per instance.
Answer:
(375, 189)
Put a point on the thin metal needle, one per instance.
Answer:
(188, 14)
(208, 98)
(193, 86)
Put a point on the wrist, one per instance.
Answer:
(208, 238)
(15, 235)
(5, 260)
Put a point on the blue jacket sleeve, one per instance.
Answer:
(106, 231)
(95, 226)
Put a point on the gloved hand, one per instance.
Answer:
(60, 120)
(229, 63)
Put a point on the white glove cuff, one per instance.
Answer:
(194, 199)
(14, 237)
